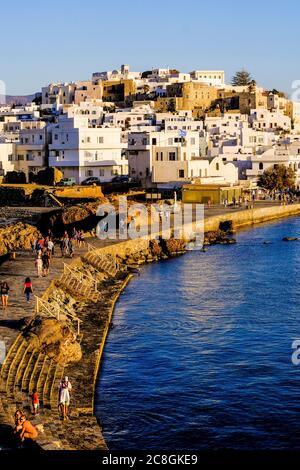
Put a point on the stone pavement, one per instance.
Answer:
(26, 368)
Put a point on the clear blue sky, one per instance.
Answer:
(69, 40)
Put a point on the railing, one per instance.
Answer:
(51, 310)
(81, 278)
(43, 307)
(104, 257)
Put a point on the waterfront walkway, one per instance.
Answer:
(27, 368)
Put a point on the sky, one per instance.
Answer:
(66, 40)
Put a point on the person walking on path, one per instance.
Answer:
(39, 264)
(64, 397)
(45, 262)
(51, 247)
(4, 290)
(70, 248)
(28, 288)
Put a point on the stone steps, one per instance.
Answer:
(78, 289)
(20, 372)
(53, 398)
(42, 378)
(33, 381)
(99, 263)
(28, 371)
(48, 384)
(14, 364)
(9, 359)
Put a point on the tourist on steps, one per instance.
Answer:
(4, 290)
(28, 288)
(64, 397)
(35, 402)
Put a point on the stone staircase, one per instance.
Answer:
(24, 370)
(27, 368)
(102, 262)
(79, 289)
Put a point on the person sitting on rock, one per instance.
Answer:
(28, 432)
(18, 425)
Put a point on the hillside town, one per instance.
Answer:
(160, 129)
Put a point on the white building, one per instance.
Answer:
(124, 73)
(80, 150)
(57, 94)
(288, 155)
(166, 156)
(209, 77)
(32, 148)
(7, 152)
(262, 119)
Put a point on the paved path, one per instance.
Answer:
(14, 272)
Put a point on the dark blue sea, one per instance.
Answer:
(200, 353)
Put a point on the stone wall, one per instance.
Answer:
(251, 216)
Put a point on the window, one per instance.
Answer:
(172, 156)
(153, 141)
(170, 141)
(100, 140)
(181, 173)
(88, 140)
(261, 166)
(89, 173)
(217, 167)
(101, 172)
(55, 137)
(193, 140)
(144, 141)
(41, 137)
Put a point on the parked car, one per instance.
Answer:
(120, 179)
(66, 182)
(90, 181)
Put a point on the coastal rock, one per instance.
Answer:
(55, 339)
(173, 246)
(154, 248)
(80, 216)
(17, 237)
(290, 239)
(218, 237)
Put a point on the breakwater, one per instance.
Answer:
(26, 368)
(244, 218)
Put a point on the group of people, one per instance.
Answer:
(66, 246)
(24, 431)
(43, 250)
(4, 291)
(78, 237)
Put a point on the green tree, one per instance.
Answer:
(241, 78)
(278, 178)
